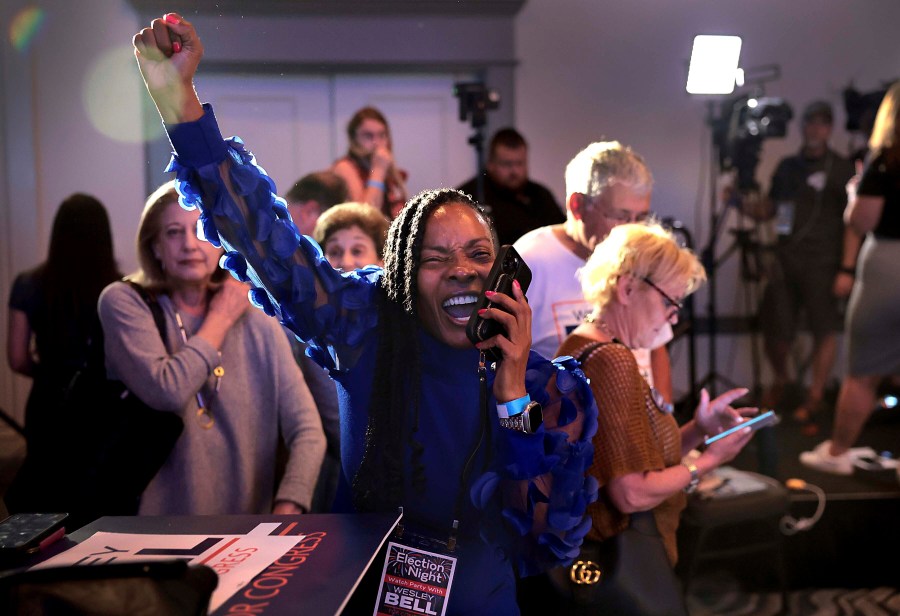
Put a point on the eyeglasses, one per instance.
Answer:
(620, 217)
(668, 302)
(625, 217)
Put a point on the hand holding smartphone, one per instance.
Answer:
(508, 266)
(769, 418)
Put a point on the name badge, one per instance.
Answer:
(784, 217)
(816, 181)
(414, 582)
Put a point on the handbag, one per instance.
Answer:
(629, 573)
(131, 440)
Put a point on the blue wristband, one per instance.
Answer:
(513, 407)
(376, 184)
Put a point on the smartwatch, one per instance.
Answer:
(528, 421)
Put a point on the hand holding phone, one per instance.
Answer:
(762, 420)
(508, 266)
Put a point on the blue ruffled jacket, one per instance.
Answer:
(527, 510)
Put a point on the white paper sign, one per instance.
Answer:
(237, 559)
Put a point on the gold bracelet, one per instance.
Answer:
(695, 477)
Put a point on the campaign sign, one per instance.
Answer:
(237, 559)
(414, 582)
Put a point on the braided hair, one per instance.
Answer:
(394, 410)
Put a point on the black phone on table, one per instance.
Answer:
(508, 266)
(23, 533)
(769, 418)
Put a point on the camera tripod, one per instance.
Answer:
(750, 271)
(475, 100)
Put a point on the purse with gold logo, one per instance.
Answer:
(626, 574)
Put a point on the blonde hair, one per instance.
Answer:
(603, 163)
(884, 132)
(151, 273)
(643, 250)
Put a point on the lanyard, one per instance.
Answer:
(204, 413)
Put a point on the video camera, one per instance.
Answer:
(475, 100)
(743, 123)
(861, 108)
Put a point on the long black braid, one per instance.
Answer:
(394, 410)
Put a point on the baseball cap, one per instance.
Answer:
(818, 108)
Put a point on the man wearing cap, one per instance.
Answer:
(815, 255)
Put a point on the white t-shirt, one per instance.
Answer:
(557, 306)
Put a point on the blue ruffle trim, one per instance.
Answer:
(526, 457)
(261, 250)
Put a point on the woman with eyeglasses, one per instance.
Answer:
(636, 280)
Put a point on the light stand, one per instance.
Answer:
(686, 323)
(708, 258)
(735, 143)
(475, 100)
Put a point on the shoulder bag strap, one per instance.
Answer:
(590, 349)
(158, 317)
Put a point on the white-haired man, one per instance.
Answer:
(607, 184)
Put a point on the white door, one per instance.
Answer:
(297, 124)
(430, 142)
(285, 121)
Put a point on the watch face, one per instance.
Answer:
(535, 416)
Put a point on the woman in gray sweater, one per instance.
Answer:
(228, 371)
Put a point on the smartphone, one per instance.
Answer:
(769, 418)
(24, 533)
(508, 266)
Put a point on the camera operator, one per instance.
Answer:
(516, 204)
(815, 255)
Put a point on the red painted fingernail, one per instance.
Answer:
(172, 18)
(490, 293)
(482, 311)
(516, 282)
(176, 46)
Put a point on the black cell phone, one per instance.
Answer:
(508, 266)
(23, 533)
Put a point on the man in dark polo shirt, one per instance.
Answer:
(815, 255)
(516, 204)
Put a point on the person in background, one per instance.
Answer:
(516, 204)
(368, 168)
(52, 319)
(419, 428)
(307, 199)
(815, 257)
(227, 371)
(873, 313)
(352, 235)
(311, 195)
(607, 184)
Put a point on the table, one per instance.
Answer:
(317, 577)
